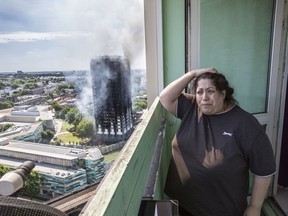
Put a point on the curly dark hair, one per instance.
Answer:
(220, 82)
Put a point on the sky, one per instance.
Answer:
(53, 35)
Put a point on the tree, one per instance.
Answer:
(2, 85)
(65, 86)
(31, 86)
(85, 129)
(32, 185)
(25, 92)
(47, 135)
(51, 95)
(21, 92)
(56, 106)
(6, 104)
(139, 105)
(73, 116)
(63, 112)
(4, 169)
(70, 115)
(14, 85)
(78, 119)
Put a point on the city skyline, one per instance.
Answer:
(66, 35)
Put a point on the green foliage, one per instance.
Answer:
(78, 118)
(6, 104)
(17, 83)
(47, 135)
(65, 86)
(73, 116)
(44, 124)
(21, 81)
(32, 80)
(85, 129)
(21, 93)
(50, 95)
(31, 86)
(66, 126)
(32, 185)
(25, 92)
(62, 113)
(4, 169)
(139, 105)
(2, 85)
(6, 127)
(16, 94)
(14, 85)
(57, 91)
(70, 116)
(56, 106)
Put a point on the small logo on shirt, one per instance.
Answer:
(227, 134)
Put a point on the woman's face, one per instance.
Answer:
(209, 99)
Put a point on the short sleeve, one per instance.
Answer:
(261, 157)
(183, 106)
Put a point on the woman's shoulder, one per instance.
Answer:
(244, 117)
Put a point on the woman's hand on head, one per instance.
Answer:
(201, 71)
(170, 93)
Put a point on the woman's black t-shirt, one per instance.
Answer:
(212, 156)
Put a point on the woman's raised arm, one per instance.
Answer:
(170, 94)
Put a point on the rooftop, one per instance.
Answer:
(49, 169)
(44, 150)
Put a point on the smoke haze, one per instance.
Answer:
(66, 34)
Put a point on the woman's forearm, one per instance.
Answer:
(169, 95)
(259, 190)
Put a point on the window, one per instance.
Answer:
(235, 38)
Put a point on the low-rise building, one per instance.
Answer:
(61, 169)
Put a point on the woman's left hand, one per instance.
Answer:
(252, 211)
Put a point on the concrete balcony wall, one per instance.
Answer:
(121, 190)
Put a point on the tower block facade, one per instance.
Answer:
(112, 98)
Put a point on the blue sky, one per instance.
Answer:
(43, 35)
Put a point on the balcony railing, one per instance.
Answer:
(130, 179)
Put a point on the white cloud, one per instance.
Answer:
(36, 36)
(70, 32)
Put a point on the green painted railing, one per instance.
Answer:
(121, 190)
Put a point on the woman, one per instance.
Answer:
(215, 146)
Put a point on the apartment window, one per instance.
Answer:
(235, 38)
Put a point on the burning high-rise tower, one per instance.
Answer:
(112, 98)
